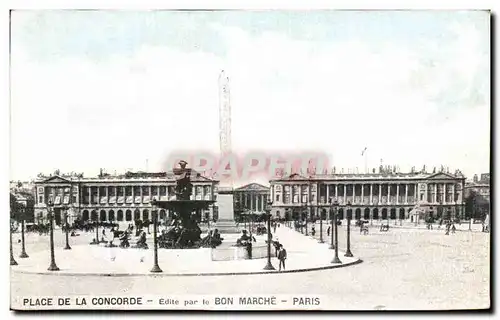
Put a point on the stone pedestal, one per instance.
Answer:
(225, 222)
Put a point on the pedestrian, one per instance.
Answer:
(276, 245)
(328, 231)
(282, 257)
(274, 227)
(313, 231)
(453, 229)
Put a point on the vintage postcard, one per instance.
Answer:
(250, 160)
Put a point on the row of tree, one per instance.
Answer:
(476, 206)
(22, 211)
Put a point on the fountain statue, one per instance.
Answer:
(185, 232)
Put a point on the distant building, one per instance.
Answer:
(124, 197)
(383, 195)
(250, 198)
(479, 186)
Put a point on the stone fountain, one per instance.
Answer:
(184, 208)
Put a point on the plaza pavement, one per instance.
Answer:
(403, 269)
(303, 254)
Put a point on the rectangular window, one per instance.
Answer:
(40, 199)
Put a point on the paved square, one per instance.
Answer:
(401, 269)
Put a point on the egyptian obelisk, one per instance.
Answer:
(225, 222)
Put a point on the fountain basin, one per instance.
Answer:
(238, 253)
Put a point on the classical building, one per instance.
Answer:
(124, 197)
(370, 196)
(251, 197)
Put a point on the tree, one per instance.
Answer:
(14, 207)
(476, 206)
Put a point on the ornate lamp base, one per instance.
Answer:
(53, 267)
(156, 269)
(336, 260)
(348, 253)
(23, 255)
(13, 262)
(269, 266)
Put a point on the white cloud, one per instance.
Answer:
(286, 94)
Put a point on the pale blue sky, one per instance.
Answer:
(403, 83)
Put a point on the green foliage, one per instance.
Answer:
(476, 206)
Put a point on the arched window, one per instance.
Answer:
(120, 215)
(102, 215)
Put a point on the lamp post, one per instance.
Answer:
(333, 209)
(308, 207)
(97, 228)
(321, 227)
(66, 226)
(13, 261)
(50, 208)
(269, 266)
(23, 250)
(156, 267)
(336, 244)
(348, 252)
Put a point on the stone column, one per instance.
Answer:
(379, 194)
(90, 195)
(345, 193)
(371, 195)
(444, 192)
(406, 193)
(362, 194)
(327, 193)
(150, 194)
(353, 192)
(388, 193)
(435, 192)
(98, 196)
(336, 191)
(397, 193)
(453, 194)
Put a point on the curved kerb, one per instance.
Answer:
(73, 274)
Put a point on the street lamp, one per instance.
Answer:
(348, 252)
(336, 245)
(321, 226)
(13, 261)
(308, 207)
(333, 209)
(50, 209)
(23, 251)
(66, 226)
(156, 267)
(269, 266)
